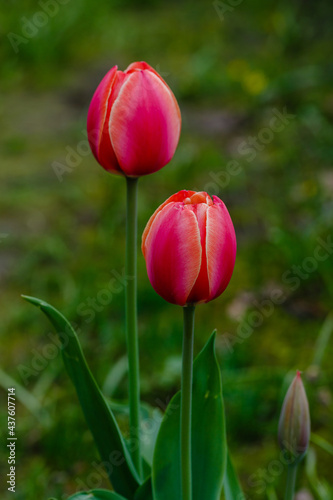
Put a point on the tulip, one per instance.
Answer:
(294, 424)
(133, 121)
(133, 130)
(189, 245)
(294, 431)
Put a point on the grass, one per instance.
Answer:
(64, 241)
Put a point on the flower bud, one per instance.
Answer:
(133, 121)
(294, 424)
(189, 245)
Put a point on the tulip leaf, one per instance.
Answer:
(166, 462)
(96, 495)
(99, 417)
(144, 492)
(208, 436)
(231, 486)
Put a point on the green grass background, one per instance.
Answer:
(64, 241)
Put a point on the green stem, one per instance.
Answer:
(186, 403)
(291, 481)
(131, 321)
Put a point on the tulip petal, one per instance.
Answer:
(144, 124)
(107, 156)
(220, 247)
(145, 66)
(139, 65)
(178, 197)
(173, 252)
(200, 290)
(98, 114)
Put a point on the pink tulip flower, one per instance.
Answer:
(133, 121)
(189, 245)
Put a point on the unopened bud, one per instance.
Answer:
(294, 424)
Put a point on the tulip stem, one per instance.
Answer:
(186, 403)
(131, 321)
(291, 481)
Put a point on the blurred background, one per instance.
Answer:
(254, 84)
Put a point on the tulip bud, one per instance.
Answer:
(133, 121)
(294, 424)
(189, 245)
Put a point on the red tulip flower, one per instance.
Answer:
(189, 245)
(133, 121)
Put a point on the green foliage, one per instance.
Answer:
(208, 435)
(97, 495)
(98, 415)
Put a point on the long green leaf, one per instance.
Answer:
(232, 488)
(96, 495)
(208, 436)
(319, 486)
(98, 415)
(320, 441)
(323, 340)
(166, 463)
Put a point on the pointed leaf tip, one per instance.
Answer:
(210, 344)
(34, 301)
